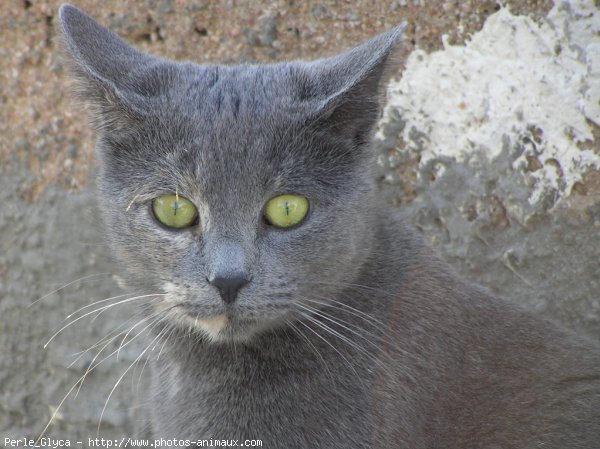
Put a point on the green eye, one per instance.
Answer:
(286, 210)
(174, 211)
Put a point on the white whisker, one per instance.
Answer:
(90, 368)
(116, 333)
(344, 338)
(309, 318)
(91, 365)
(311, 345)
(340, 322)
(351, 310)
(363, 316)
(354, 286)
(93, 304)
(101, 309)
(98, 275)
(121, 378)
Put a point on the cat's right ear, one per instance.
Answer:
(345, 91)
(101, 64)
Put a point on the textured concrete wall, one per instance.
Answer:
(478, 149)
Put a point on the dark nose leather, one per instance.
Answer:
(229, 286)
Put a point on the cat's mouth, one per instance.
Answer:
(219, 322)
(222, 327)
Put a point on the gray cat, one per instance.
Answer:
(294, 306)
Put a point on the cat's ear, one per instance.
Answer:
(102, 65)
(349, 86)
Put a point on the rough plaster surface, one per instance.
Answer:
(473, 206)
(512, 80)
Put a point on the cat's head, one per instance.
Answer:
(236, 193)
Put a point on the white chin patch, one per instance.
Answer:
(211, 326)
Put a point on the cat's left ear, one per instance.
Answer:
(349, 86)
(106, 70)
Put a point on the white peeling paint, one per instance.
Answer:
(512, 77)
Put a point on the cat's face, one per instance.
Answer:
(229, 157)
(227, 142)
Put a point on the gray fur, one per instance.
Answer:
(351, 332)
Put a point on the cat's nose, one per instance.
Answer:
(229, 285)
